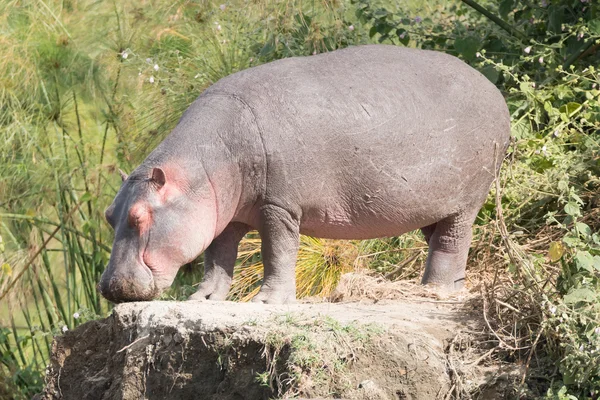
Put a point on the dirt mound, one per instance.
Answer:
(224, 350)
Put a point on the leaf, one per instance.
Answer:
(555, 18)
(584, 260)
(6, 269)
(594, 26)
(556, 251)
(583, 229)
(572, 209)
(580, 295)
(490, 72)
(570, 108)
(403, 36)
(506, 6)
(380, 13)
(268, 48)
(86, 197)
(372, 31)
(468, 46)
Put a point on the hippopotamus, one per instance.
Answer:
(364, 142)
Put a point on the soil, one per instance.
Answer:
(419, 347)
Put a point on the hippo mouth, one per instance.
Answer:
(122, 288)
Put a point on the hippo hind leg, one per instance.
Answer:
(449, 241)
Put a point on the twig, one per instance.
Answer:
(508, 306)
(134, 342)
(530, 355)
(402, 265)
(487, 354)
(502, 342)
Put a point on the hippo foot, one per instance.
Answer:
(447, 287)
(214, 289)
(275, 296)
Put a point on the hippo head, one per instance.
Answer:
(157, 230)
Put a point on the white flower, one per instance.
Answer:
(402, 35)
(597, 331)
(544, 149)
(478, 54)
(76, 315)
(581, 348)
(156, 68)
(222, 7)
(553, 310)
(527, 49)
(218, 27)
(556, 133)
(351, 28)
(124, 55)
(148, 60)
(594, 85)
(64, 328)
(151, 80)
(533, 85)
(541, 60)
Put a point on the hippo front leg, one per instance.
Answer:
(280, 238)
(219, 261)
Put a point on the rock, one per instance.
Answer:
(238, 351)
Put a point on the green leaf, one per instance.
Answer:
(556, 251)
(380, 13)
(572, 209)
(583, 229)
(86, 197)
(555, 18)
(372, 31)
(506, 6)
(570, 108)
(490, 72)
(403, 36)
(468, 46)
(268, 48)
(594, 26)
(584, 260)
(580, 295)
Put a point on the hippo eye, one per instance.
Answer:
(138, 217)
(133, 220)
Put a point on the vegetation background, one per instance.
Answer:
(87, 87)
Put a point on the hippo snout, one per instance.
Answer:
(125, 287)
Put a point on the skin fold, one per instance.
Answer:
(365, 142)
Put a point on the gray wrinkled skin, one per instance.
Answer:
(365, 142)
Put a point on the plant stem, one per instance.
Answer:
(497, 20)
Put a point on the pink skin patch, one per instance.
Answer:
(180, 238)
(140, 217)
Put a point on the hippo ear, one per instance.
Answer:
(158, 177)
(124, 176)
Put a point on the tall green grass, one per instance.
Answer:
(89, 87)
